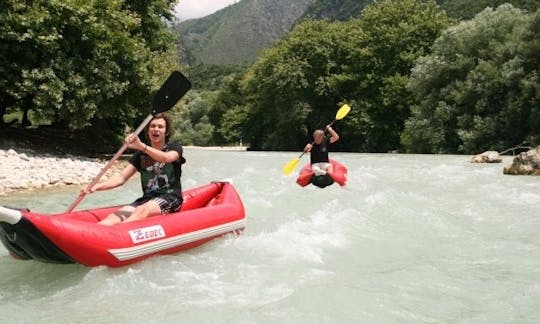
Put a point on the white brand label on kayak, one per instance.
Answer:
(147, 233)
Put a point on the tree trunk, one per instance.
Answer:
(25, 121)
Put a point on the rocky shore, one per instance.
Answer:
(26, 170)
(487, 157)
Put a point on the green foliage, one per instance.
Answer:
(479, 88)
(396, 34)
(335, 9)
(459, 9)
(290, 91)
(191, 123)
(295, 87)
(467, 9)
(79, 63)
(228, 113)
(239, 33)
(200, 123)
(213, 77)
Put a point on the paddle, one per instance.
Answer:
(174, 88)
(292, 164)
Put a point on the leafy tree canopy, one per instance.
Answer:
(81, 63)
(295, 87)
(479, 88)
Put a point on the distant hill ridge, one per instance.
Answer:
(238, 33)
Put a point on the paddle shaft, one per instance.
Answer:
(106, 168)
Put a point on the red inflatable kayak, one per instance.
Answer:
(307, 177)
(208, 212)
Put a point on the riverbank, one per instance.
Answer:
(27, 170)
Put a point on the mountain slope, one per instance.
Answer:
(335, 9)
(459, 9)
(238, 33)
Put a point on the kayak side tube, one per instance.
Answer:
(307, 176)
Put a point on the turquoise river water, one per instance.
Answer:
(410, 239)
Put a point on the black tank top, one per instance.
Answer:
(319, 152)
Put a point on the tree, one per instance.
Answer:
(466, 9)
(191, 122)
(228, 113)
(81, 63)
(290, 90)
(397, 32)
(479, 88)
(296, 86)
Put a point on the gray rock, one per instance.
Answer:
(526, 163)
(487, 157)
(24, 157)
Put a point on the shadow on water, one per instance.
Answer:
(28, 280)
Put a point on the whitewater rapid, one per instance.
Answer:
(410, 239)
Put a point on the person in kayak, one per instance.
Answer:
(160, 166)
(320, 163)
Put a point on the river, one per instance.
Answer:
(410, 239)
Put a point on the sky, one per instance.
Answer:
(188, 9)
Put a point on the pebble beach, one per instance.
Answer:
(27, 170)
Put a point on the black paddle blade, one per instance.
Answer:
(176, 86)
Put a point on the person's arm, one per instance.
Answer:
(134, 142)
(160, 156)
(115, 181)
(334, 137)
(308, 147)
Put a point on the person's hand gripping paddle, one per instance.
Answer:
(174, 88)
(292, 164)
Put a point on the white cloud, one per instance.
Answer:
(188, 9)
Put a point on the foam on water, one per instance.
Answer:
(410, 239)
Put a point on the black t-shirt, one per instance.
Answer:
(319, 152)
(159, 178)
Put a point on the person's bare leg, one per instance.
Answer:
(330, 168)
(316, 168)
(118, 216)
(141, 212)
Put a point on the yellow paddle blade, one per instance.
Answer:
(343, 111)
(291, 166)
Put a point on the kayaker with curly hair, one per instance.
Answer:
(160, 166)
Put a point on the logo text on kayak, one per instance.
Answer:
(147, 233)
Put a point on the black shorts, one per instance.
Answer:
(168, 203)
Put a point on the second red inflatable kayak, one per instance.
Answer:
(307, 176)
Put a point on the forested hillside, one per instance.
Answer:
(458, 9)
(467, 9)
(238, 33)
(417, 79)
(335, 9)
(421, 76)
